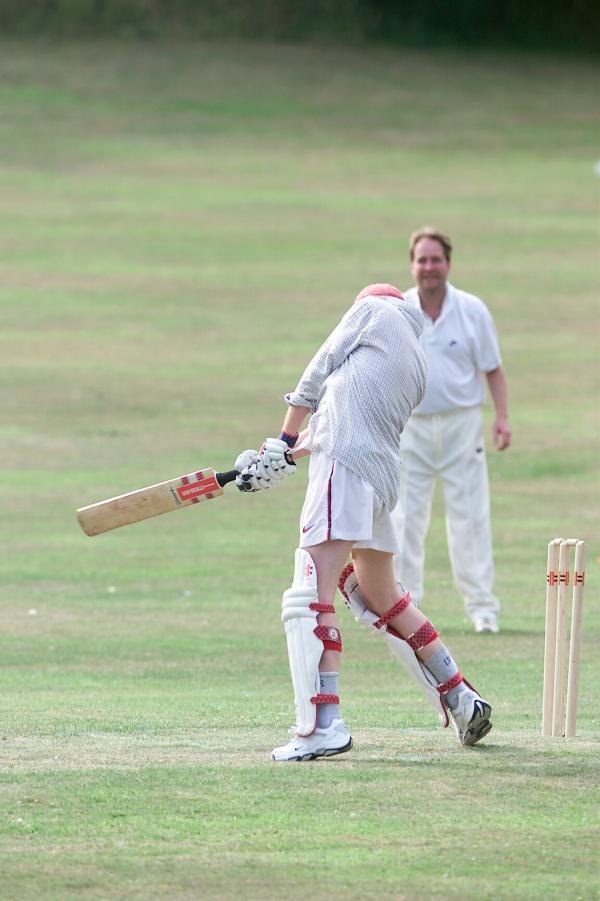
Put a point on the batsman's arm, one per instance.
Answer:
(292, 424)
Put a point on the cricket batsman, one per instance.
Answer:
(359, 390)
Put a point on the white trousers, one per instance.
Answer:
(448, 445)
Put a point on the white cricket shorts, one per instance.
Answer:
(341, 505)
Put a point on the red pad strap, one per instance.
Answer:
(330, 636)
(321, 607)
(422, 636)
(398, 608)
(347, 570)
(325, 699)
(451, 683)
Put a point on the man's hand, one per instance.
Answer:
(500, 430)
(276, 459)
(246, 458)
(253, 475)
(265, 468)
(501, 433)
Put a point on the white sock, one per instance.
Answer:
(326, 713)
(442, 666)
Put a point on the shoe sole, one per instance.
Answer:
(312, 755)
(479, 726)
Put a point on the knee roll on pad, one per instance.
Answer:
(306, 640)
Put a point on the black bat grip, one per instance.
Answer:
(223, 478)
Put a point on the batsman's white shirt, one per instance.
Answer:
(460, 345)
(362, 385)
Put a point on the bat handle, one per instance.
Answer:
(223, 478)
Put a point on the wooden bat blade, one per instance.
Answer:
(153, 500)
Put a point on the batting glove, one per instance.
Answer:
(276, 458)
(252, 473)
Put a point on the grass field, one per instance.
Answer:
(181, 226)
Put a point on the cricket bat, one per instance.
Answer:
(153, 500)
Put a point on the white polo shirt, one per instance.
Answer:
(460, 346)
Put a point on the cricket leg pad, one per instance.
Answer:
(401, 648)
(306, 641)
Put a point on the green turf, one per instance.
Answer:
(181, 225)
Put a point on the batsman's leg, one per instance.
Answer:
(314, 649)
(469, 711)
(350, 589)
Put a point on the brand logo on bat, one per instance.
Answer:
(198, 489)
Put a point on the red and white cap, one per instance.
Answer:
(380, 289)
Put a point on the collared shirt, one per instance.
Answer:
(362, 385)
(460, 346)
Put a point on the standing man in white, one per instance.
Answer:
(444, 436)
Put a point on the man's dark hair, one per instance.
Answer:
(428, 232)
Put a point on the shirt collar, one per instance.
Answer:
(447, 304)
(448, 299)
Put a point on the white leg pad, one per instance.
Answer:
(403, 651)
(304, 648)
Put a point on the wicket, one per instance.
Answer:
(556, 639)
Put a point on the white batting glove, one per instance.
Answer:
(246, 458)
(252, 473)
(276, 459)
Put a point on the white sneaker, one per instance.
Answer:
(487, 623)
(471, 717)
(322, 743)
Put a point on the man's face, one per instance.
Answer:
(429, 266)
